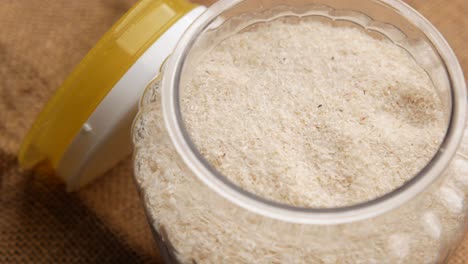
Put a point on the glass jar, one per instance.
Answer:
(199, 216)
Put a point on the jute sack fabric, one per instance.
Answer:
(40, 43)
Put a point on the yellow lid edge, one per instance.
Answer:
(72, 104)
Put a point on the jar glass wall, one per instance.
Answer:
(199, 216)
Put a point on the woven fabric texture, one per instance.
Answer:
(40, 43)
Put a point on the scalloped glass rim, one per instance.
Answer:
(201, 168)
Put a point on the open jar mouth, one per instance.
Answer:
(170, 95)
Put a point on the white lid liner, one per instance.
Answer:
(105, 138)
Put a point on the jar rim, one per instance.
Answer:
(224, 187)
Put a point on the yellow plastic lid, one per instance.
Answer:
(84, 129)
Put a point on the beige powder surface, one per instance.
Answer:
(312, 115)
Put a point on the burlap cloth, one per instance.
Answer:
(40, 43)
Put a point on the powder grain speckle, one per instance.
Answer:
(312, 115)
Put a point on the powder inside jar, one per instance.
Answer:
(312, 115)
